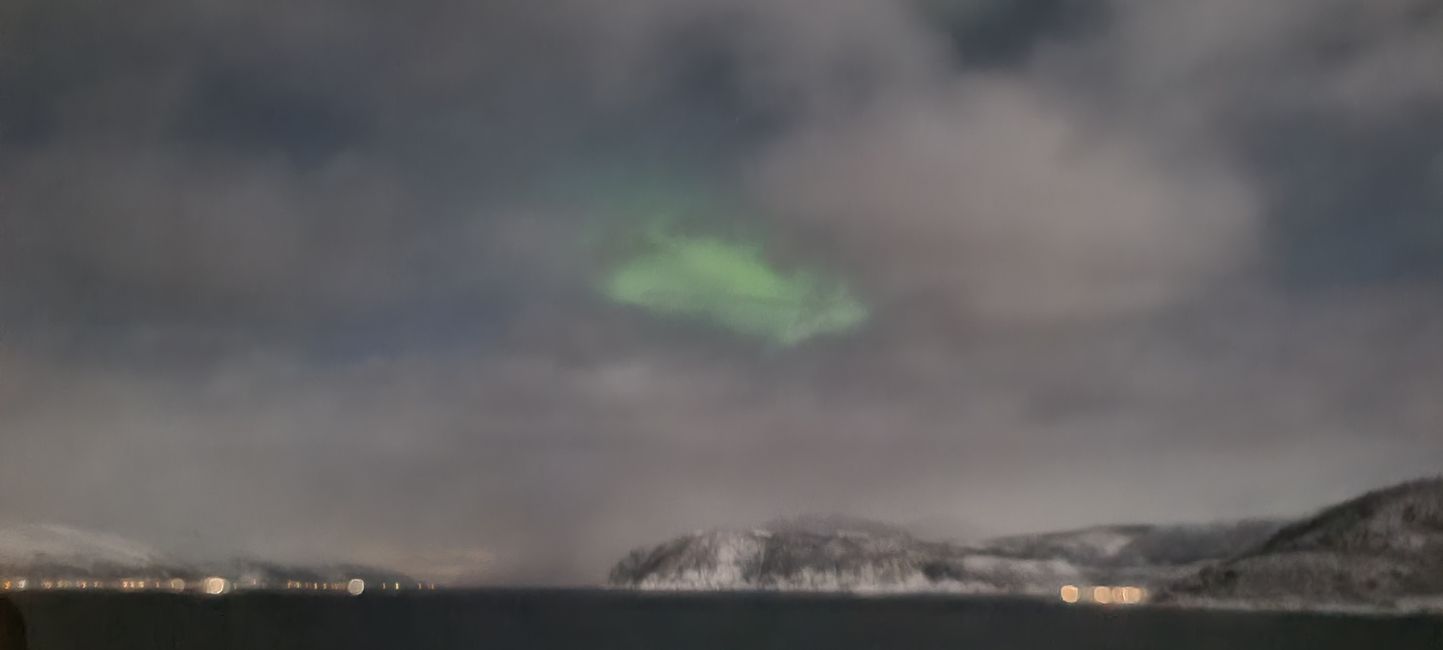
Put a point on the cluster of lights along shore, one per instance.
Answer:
(212, 586)
(1103, 595)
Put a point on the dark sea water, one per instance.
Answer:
(487, 620)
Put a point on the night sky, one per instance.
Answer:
(326, 280)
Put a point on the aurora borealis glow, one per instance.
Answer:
(732, 286)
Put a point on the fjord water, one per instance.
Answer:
(532, 620)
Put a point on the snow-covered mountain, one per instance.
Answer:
(36, 550)
(53, 549)
(804, 560)
(1384, 549)
(843, 554)
(1142, 545)
(29, 543)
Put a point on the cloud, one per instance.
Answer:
(556, 468)
(787, 56)
(992, 201)
(204, 232)
(277, 278)
(1363, 59)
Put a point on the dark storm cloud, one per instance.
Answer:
(312, 280)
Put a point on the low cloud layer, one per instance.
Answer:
(991, 203)
(276, 280)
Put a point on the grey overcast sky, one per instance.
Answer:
(319, 280)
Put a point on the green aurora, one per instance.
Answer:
(731, 286)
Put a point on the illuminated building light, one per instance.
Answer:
(1101, 595)
(1119, 595)
(356, 587)
(1071, 594)
(215, 586)
(177, 584)
(22, 583)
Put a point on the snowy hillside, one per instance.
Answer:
(1142, 545)
(843, 554)
(35, 550)
(1382, 549)
(804, 560)
(32, 546)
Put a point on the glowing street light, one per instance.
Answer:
(215, 586)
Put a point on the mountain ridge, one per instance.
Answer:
(36, 550)
(870, 556)
(1381, 549)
